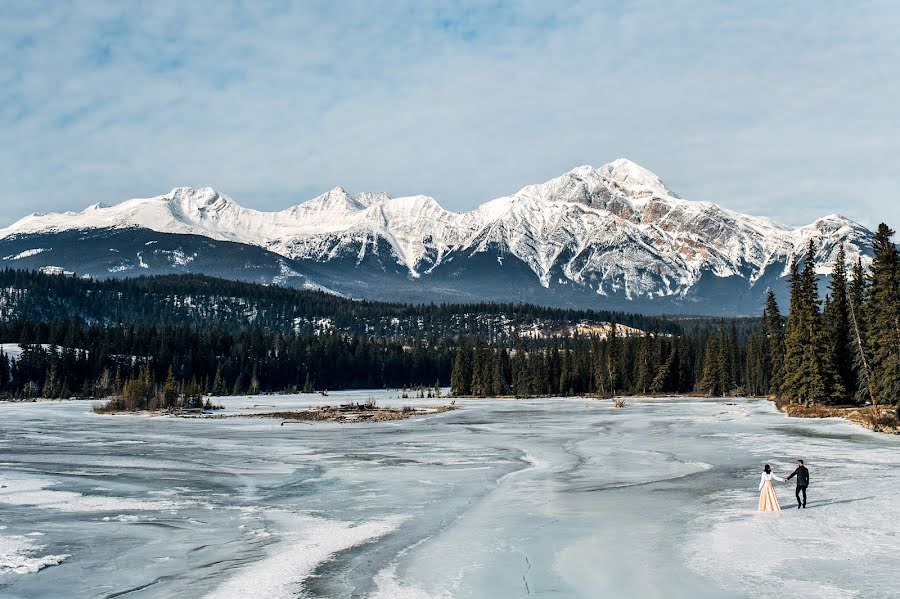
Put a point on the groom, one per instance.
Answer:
(802, 475)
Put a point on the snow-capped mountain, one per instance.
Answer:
(608, 236)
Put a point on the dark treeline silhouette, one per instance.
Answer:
(846, 350)
(171, 339)
(69, 358)
(231, 305)
(843, 351)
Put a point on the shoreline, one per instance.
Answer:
(885, 421)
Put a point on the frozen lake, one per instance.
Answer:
(562, 498)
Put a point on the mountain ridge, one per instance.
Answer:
(613, 231)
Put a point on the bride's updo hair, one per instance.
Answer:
(767, 469)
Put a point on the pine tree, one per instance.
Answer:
(809, 374)
(498, 381)
(725, 361)
(4, 371)
(646, 366)
(773, 327)
(461, 376)
(254, 382)
(169, 391)
(565, 373)
(308, 385)
(613, 359)
(856, 303)
(800, 379)
(520, 377)
(794, 338)
(218, 388)
(883, 317)
(663, 373)
(711, 380)
(837, 325)
(479, 369)
(758, 368)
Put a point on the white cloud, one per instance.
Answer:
(770, 109)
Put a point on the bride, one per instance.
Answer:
(768, 501)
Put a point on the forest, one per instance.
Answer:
(199, 300)
(844, 350)
(164, 342)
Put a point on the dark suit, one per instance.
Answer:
(802, 475)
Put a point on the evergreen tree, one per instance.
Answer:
(883, 318)
(711, 379)
(726, 363)
(4, 372)
(499, 385)
(169, 391)
(646, 366)
(565, 373)
(800, 381)
(218, 387)
(758, 381)
(661, 380)
(480, 373)
(810, 376)
(613, 359)
(773, 328)
(856, 304)
(837, 325)
(520, 377)
(254, 382)
(461, 377)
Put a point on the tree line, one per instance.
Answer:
(842, 350)
(847, 349)
(200, 300)
(70, 358)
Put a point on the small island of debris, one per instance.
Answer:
(345, 413)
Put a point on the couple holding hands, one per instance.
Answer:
(768, 500)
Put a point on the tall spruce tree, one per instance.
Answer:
(773, 327)
(883, 317)
(856, 299)
(711, 378)
(480, 368)
(837, 326)
(461, 376)
(613, 358)
(809, 375)
(4, 371)
(793, 337)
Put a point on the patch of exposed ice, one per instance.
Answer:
(389, 587)
(19, 555)
(311, 542)
(39, 493)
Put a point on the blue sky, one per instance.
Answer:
(788, 110)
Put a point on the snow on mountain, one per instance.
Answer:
(614, 229)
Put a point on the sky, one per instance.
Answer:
(785, 110)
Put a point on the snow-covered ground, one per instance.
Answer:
(563, 498)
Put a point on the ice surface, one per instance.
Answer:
(18, 555)
(501, 498)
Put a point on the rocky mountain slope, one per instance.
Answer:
(613, 236)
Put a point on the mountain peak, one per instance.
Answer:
(368, 198)
(635, 178)
(201, 196)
